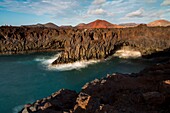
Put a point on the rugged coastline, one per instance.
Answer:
(16, 40)
(144, 92)
(147, 91)
(83, 44)
(101, 43)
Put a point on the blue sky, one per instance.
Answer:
(73, 12)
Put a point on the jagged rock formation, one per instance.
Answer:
(145, 92)
(83, 44)
(62, 100)
(100, 43)
(25, 39)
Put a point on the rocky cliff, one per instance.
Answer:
(83, 44)
(26, 39)
(145, 92)
(100, 43)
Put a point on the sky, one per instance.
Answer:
(73, 12)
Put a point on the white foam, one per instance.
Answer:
(123, 53)
(46, 61)
(71, 66)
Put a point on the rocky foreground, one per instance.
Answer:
(145, 92)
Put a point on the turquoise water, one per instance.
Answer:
(26, 78)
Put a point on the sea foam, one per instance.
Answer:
(46, 60)
(125, 53)
(71, 66)
(64, 67)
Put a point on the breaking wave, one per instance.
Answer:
(46, 61)
(127, 54)
(71, 66)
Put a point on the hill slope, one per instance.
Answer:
(48, 25)
(159, 23)
(98, 24)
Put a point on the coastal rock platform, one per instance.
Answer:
(145, 92)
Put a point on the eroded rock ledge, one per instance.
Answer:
(145, 92)
(100, 43)
(14, 40)
(83, 44)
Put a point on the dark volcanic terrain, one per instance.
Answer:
(83, 44)
(101, 43)
(15, 40)
(145, 92)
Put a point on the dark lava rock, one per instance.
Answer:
(83, 44)
(15, 40)
(146, 92)
(62, 100)
(88, 44)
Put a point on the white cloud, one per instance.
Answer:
(157, 14)
(147, 15)
(151, 1)
(38, 7)
(65, 11)
(107, 8)
(96, 12)
(137, 13)
(166, 3)
(98, 2)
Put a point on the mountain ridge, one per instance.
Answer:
(47, 25)
(160, 22)
(98, 24)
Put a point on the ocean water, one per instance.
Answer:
(26, 78)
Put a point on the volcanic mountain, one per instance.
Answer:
(66, 26)
(129, 24)
(159, 23)
(98, 24)
(48, 25)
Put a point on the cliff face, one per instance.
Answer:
(83, 44)
(100, 43)
(145, 92)
(25, 39)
